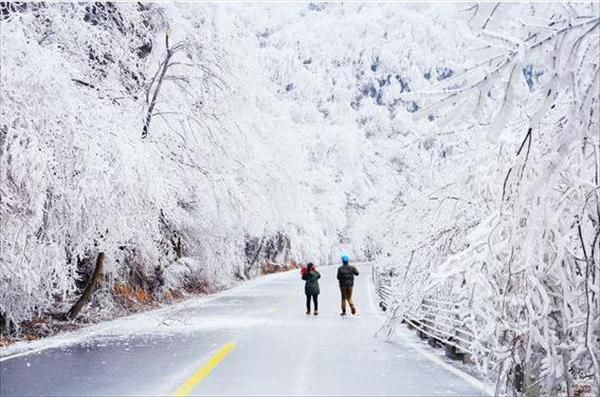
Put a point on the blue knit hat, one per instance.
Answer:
(345, 259)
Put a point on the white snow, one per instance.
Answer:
(458, 143)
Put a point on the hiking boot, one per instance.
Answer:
(316, 313)
(308, 312)
(353, 310)
(342, 313)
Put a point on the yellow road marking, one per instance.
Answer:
(185, 389)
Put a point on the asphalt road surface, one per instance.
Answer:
(252, 340)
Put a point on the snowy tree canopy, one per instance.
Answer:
(193, 143)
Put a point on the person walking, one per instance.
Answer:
(345, 276)
(311, 287)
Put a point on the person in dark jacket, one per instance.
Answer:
(345, 276)
(311, 287)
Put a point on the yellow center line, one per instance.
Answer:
(185, 389)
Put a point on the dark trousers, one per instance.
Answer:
(315, 299)
(347, 297)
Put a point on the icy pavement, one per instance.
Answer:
(278, 350)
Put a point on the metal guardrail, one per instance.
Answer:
(383, 288)
(436, 319)
(441, 320)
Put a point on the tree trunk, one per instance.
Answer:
(251, 265)
(165, 65)
(89, 290)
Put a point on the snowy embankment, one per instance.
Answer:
(165, 321)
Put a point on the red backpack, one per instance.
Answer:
(304, 270)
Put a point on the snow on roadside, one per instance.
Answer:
(469, 373)
(157, 322)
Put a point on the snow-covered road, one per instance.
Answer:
(273, 348)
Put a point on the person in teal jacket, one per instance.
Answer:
(311, 287)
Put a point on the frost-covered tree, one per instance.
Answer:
(193, 143)
(146, 133)
(513, 237)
